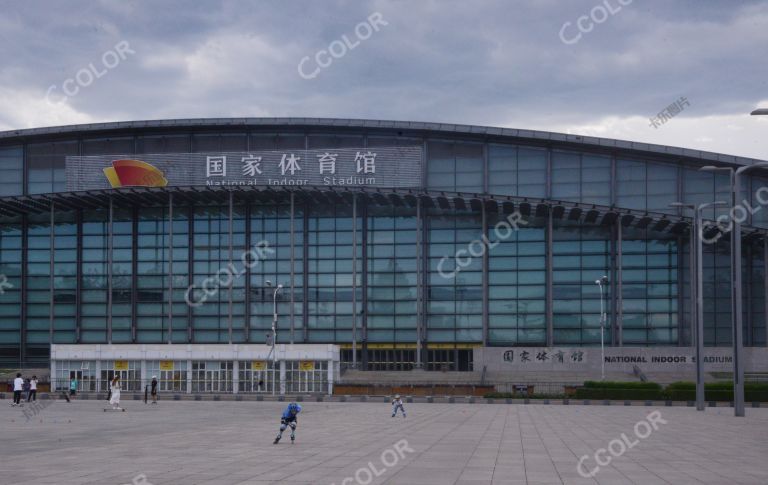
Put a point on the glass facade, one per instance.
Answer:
(456, 277)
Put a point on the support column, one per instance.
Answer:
(110, 249)
(748, 297)
(190, 273)
(189, 376)
(486, 248)
(247, 317)
(364, 287)
(331, 363)
(235, 375)
(550, 338)
(354, 281)
(282, 377)
(293, 261)
(419, 281)
(51, 287)
(24, 290)
(78, 277)
(134, 269)
(619, 315)
(305, 269)
(232, 278)
(170, 267)
(681, 329)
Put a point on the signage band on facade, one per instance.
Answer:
(391, 167)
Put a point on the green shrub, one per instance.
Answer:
(631, 391)
(715, 391)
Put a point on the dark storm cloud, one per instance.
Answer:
(489, 62)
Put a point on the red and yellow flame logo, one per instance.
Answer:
(125, 173)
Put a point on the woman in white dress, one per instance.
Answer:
(115, 388)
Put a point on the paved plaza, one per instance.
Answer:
(207, 442)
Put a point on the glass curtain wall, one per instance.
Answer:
(580, 256)
(516, 281)
(391, 246)
(454, 292)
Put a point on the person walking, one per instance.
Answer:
(32, 390)
(115, 388)
(154, 390)
(18, 386)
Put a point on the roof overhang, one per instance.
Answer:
(573, 212)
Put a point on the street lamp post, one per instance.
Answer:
(697, 292)
(274, 331)
(736, 303)
(602, 281)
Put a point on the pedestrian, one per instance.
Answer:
(73, 386)
(18, 386)
(115, 388)
(397, 403)
(289, 419)
(32, 389)
(154, 390)
(261, 385)
(25, 389)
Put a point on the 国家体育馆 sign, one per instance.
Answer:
(391, 167)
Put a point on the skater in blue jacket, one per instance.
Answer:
(288, 419)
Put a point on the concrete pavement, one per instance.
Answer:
(207, 442)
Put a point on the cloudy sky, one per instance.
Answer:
(519, 64)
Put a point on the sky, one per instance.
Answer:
(683, 73)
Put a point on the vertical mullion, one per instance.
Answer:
(619, 285)
(170, 267)
(485, 277)
(549, 236)
(110, 247)
(134, 269)
(79, 276)
(51, 289)
(292, 262)
(247, 285)
(231, 278)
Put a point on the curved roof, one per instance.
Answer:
(371, 126)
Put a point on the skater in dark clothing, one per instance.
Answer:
(154, 390)
(26, 388)
(32, 396)
(289, 419)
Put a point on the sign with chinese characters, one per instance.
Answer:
(536, 355)
(121, 365)
(307, 365)
(258, 365)
(389, 167)
(166, 365)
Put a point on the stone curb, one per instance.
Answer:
(386, 399)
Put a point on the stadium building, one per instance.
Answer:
(156, 247)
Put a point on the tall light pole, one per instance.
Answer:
(736, 303)
(697, 292)
(602, 281)
(274, 330)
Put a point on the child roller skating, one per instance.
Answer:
(288, 419)
(397, 403)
